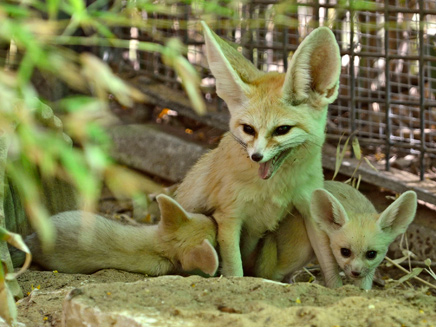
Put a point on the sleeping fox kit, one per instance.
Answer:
(85, 243)
(270, 160)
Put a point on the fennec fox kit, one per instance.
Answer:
(359, 237)
(87, 242)
(270, 161)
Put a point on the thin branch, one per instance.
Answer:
(408, 272)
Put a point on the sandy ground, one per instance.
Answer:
(115, 298)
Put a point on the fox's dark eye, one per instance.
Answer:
(345, 252)
(371, 254)
(282, 130)
(248, 129)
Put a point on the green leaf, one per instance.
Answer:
(28, 187)
(340, 155)
(359, 178)
(356, 148)
(78, 103)
(17, 241)
(8, 310)
(53, 8)
(104, 30)
(26, 68)
(78, 6)
(370, 164)
(414, 273)
(189, 76)
(97, 159)
(363, 5)
(14, 10)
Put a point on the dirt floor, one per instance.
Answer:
(116, 298)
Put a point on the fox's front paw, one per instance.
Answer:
(232, 267)
(333, 281)
(232, 271)
(365, 283)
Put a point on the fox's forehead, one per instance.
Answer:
(269, 83)
(362, 233)
(266, 91)
(361, 223)
(266, 107)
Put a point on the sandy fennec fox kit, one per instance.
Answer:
(359, 237)
(270, 161)
(87, 242)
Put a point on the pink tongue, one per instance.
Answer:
(265, 170)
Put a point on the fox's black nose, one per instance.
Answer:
(256, 157)
(355, 273)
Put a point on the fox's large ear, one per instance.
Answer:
(327, 211)
(203, 257)
(232, 71)
(314, 70)
(172, 213)
(397, 217)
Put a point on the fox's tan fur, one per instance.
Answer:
(248, 196)
(87, 242)
(281, 252)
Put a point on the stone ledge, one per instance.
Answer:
(149, 149)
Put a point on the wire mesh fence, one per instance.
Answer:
(388, 48)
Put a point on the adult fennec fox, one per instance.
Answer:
(270, 160)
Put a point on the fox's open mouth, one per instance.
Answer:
(268, 168)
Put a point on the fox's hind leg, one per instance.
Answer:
(266, 263)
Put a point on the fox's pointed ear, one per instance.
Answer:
(172, 213)
(327, 211)
(314, 69)
(203, 257)
(397, 217)
(232, 71)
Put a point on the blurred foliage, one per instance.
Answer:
(40, 38)
(54, 40)
(8, 310)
